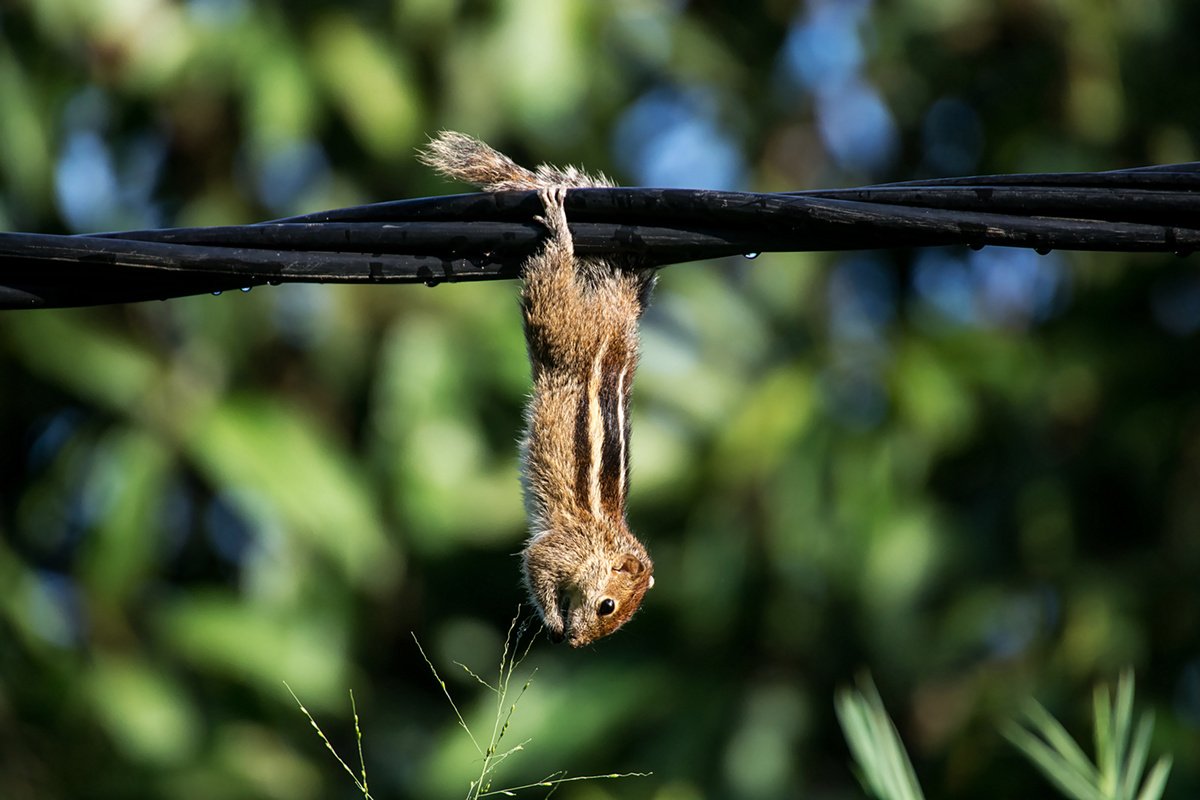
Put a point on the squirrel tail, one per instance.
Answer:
(465, 158)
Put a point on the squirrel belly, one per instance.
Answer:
(585, 570)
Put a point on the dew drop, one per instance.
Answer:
(750, 256)
(246, 289)
(431, 283)
(217, 293)
(976, 245)
(1042, 251)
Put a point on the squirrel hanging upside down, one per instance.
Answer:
(585, 570)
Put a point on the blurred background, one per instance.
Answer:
(975, 475)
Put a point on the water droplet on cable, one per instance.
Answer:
(217, 293)
(751, 256)
(246, 289)
(976, 245)
(1042, 251)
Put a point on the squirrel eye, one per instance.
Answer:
(607, 606)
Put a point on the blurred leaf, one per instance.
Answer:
(430, 434)
(24, 138)
(121, 554)
(759, 761)
(901, 560)
(258, 645)
(767, 423)
(149, 716)
(268, 765)
(369, 81)
(282, 105)
(304, 476)
(62, 346)
(932, 397)
(38, 617)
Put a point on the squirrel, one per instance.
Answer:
(585, 571)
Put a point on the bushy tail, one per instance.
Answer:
(465, 158)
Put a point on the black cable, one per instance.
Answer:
(487, 236)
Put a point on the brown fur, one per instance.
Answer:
(585, 570)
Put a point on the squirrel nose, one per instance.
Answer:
(555, 636)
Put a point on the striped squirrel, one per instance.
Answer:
(585, 571)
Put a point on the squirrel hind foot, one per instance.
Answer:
(555, 217)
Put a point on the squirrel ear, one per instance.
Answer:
(629, 563)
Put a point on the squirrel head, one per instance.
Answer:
(586, 586)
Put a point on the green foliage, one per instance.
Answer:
(491, 756)
(884, 768)
(359, 778)
(887, 773)
(1121, 750)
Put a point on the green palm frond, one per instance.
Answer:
(884, 768)
(1122, 749)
